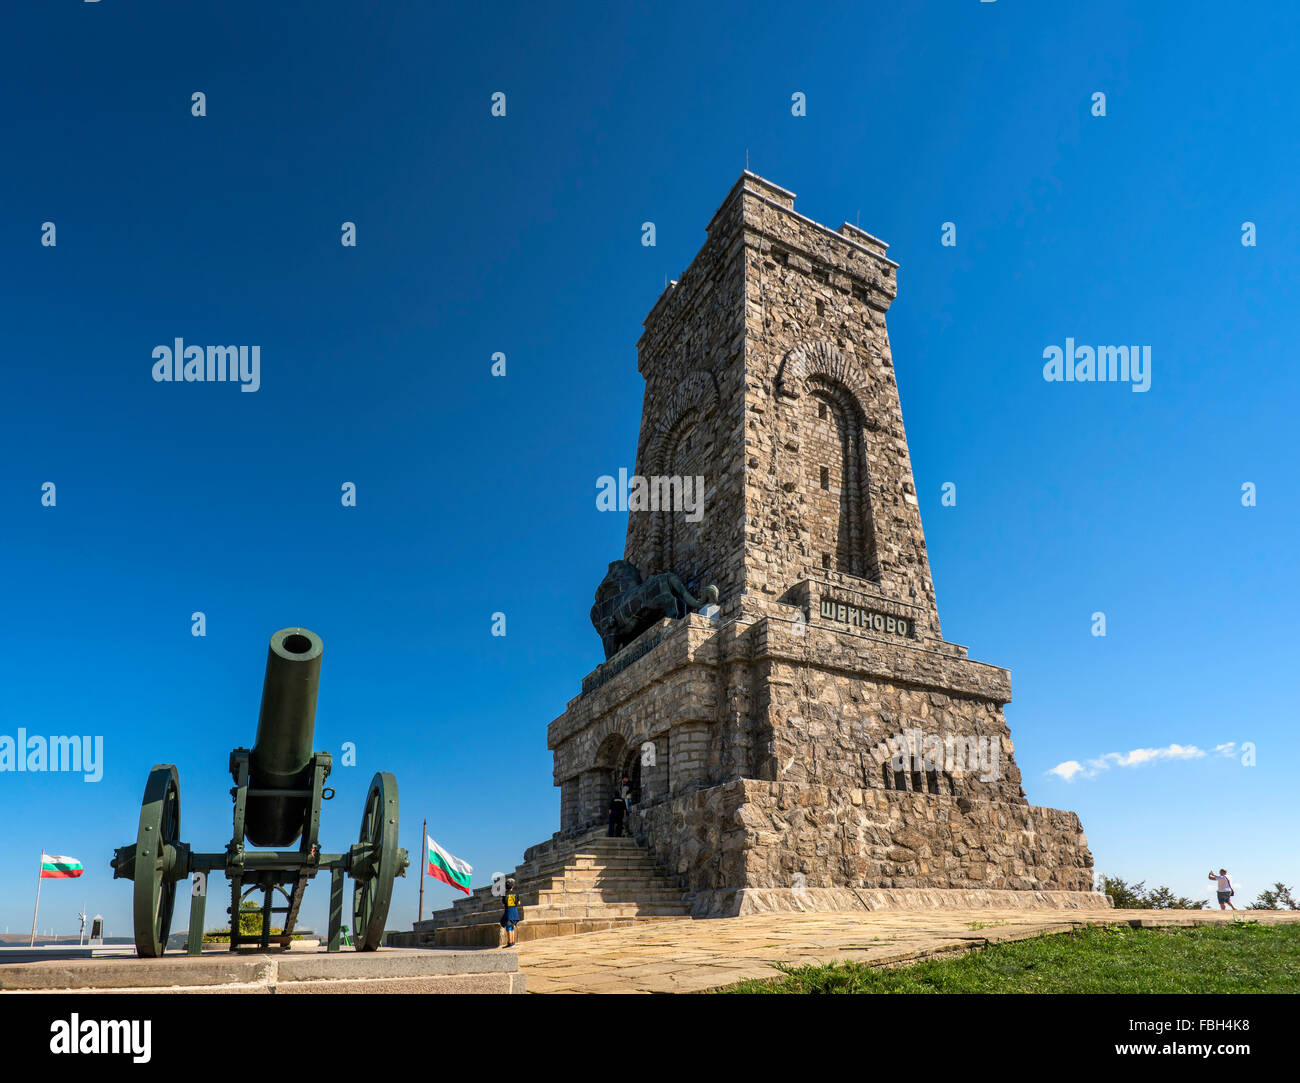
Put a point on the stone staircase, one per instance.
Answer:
(573, 886)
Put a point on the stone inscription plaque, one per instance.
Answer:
(857, 617)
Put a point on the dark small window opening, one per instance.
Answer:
(826, 478)
(826, 561)
(821, 308)
(821, 409)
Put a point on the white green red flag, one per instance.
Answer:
(60, 868)
(442, 865)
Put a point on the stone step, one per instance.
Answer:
(593, 880)
(631, 861)
(569, 912)
(493, 936)
(587, 898)
(611, 883)
(585, 854)
(589, 880)
(616, 872)
(581, 897)
(640, 871)
(586, 868)
(551, 863)
(584, 900)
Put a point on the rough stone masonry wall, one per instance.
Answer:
(691, 355)
(671, 685)
(833, 729)
(670, 697)
(750, 834)
(816, 303)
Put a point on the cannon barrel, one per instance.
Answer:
(286, 725)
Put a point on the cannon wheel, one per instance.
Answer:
(374, 888)
(155, 891)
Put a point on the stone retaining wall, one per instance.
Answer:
(787, 837)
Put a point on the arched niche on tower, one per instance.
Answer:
(826, 387)
(681, 446)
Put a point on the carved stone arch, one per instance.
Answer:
(823, 359)
(694, 399)
(697, 394)
(632, 765)
(611, 744)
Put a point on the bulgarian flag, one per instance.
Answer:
(60, 868)
(450, 870)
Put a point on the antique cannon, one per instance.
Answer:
(279, 786)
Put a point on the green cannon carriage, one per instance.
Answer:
(279, 787)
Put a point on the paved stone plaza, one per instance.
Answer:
(694, 956)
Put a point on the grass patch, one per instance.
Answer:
(1243, 957)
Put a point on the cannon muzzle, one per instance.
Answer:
(286, 725)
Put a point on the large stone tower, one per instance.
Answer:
(811, 741)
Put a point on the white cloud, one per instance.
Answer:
(1067, 770)
(1137, 757)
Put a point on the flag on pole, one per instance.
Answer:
(450, 870)
(60, 868)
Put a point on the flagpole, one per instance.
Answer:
(39, 878)
(424, 849)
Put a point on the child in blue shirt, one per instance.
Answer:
(511, 911)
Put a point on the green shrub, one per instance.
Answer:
(1136, 897)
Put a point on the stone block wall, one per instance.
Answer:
(821, 395)
(692, 357)
(768, 372)
(667, 697)
(836, 729)
(752, 834)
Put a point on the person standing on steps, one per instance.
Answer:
(1225, 889)
(625, 791)
(617, 810)
(511, 912)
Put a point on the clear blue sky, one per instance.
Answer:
(522, 235)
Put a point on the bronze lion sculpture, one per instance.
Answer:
(625, 606)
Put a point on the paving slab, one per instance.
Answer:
(698, 955)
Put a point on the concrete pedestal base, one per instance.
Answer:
(389, 970)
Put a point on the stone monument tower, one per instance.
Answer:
(816, 734)
(810, 741)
